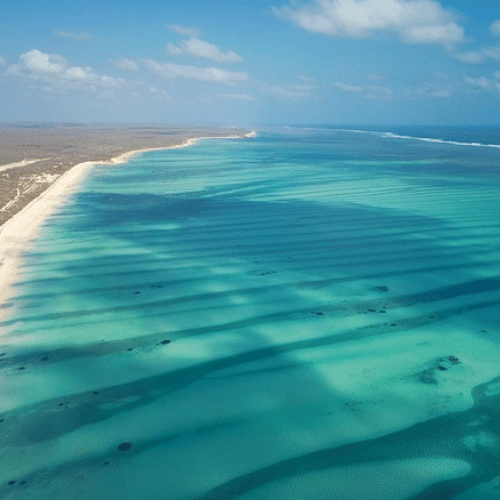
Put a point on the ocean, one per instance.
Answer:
(311, 314)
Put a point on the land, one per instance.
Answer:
(34, 156)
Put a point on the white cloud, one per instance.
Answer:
(57, 74)
(292, 92)
(378, 92)
(127, 64)
(413, 21)
(479, 56)
(199, 48)
(2, 61)
(471, 57)
(184, 30)
(481, 83)
(484, 83)
(495, 28)
(347, 88)
(170, 71)
(231, 97)
(74, 36)
(493, 52)
(159, 93)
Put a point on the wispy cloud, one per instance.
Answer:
(479, 56)
(184, 30)
(199, 48)
(2, 61)
(74, 36)
(495, 28)
(159, 92)
(169, 71)
(484, 83)
(471, 57)
(293, 92)
(57, 74)
(492, 52)
(388, 93)
(347, 88)
(412, 21)
(127, 64)
(231, 97)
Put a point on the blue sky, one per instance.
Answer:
(251, 62)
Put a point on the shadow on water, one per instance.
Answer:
(315, 244)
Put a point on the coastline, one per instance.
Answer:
(18, 232)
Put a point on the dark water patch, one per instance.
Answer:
(87, 466)
(442, 436)
(301, 285)
(38, 422)
(322, 261)
(444, 293)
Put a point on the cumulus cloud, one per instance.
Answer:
(412, 21)
(57, 74)
(74, 36)
(184, 30)
(127, 64)
(169, 71)
(199, 48)
(495, 28)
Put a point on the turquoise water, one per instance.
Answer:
(308, 315)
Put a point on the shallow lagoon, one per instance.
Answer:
(311, 314)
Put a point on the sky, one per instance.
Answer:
(251, 62)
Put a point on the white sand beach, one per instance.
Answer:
(17, 234)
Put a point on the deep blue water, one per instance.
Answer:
(310, 314)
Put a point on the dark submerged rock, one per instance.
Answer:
(124, 446)
(165, 342)
(453, 360)
(12, 482)
(383, 288)
(442, 368)
(45, 358)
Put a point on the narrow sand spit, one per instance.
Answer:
(18, 232)
(22, 163)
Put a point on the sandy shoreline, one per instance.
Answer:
(18, 232)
